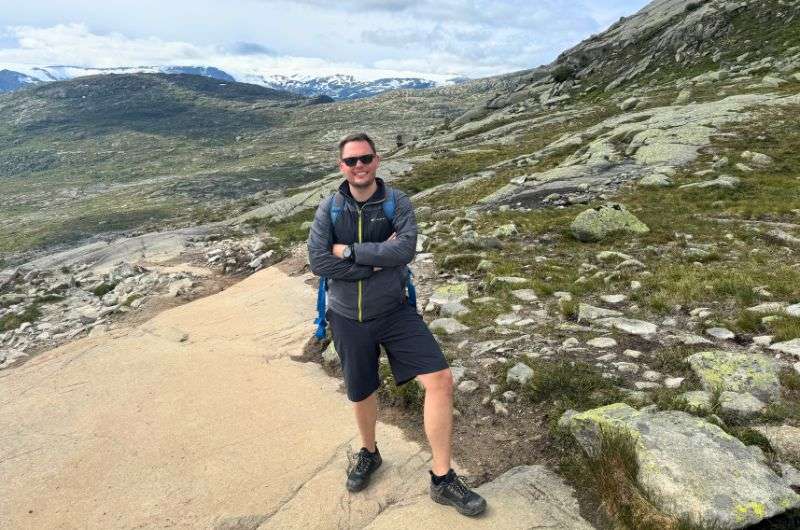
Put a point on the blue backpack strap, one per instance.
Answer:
(389, 204)
(412, 291)
(320, 321)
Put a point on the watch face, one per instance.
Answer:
(346, 252)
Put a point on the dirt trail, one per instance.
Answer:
(198, 418)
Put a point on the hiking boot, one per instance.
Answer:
(360, 470)
(452, 490)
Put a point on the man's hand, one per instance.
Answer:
(338, 250)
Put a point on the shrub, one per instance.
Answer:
(562, 73)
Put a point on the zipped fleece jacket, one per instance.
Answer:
(355, 290)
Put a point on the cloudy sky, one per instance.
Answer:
(438, 38)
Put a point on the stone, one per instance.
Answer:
(589, 312)
(723, 181)
(448, 326)
(510, 280)
(453, 309)
(629, 325)
(674, 382)
(784, 439)
(602, 342)
(633, 354)
(506, 230)
(570, 342)
(772, 81)
(752, 373)
(721, 333)
(330, 355)
(610, 255)
(793, 310)
(180, 287)
(467, 386)
(742, 405)
(759, 159)
(744, 168)
(595, 224)
(627, 368)
(520, 373)
(767, 308)
(613, 299)
(690, 468)
(457, 372)
(790, 475)
(509, 396)
(526, 295)
(684, 97)
(646, 385)
(789, 347)
(690, 339)
(607, 357)
(655, 180)
(456, 292)
(507, 319)
(697, 400)
(652, 375)
(629, 104)
(499, 408)
(763, 340)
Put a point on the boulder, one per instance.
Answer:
(631, 326)
(751, 373)
(448, 326)
(690, 468)
(723, 181)
(598, 223)
(520, 373)
(784, 439)
(789, 347)
(444, 294)
(742, 405)
(590, 312)
(656, 180)
(629, 104)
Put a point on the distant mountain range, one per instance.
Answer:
(338, 86)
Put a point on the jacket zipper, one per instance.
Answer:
(360, 240)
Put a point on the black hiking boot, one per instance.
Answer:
(360, 470)
(452, 490)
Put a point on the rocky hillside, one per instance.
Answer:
(608, 253)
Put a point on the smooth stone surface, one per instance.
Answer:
(751, 373)
(689, 467)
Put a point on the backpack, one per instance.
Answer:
(337, 201)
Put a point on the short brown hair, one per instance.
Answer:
(356, 137)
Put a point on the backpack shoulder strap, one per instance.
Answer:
(390, 204)
(337, 203)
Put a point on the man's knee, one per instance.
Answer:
(441, 381)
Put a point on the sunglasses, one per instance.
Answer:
(351, 161)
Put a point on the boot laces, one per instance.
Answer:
(359, 462)
(458, 486)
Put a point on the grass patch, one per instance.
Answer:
(103, 289)
(569, 385)
(410, 395)
(785, 328)
(13, 320)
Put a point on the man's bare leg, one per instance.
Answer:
(366, 415)
(438, 417)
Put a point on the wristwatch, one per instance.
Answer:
(347, 253)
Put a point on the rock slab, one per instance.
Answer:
(689, 467)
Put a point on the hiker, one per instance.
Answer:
(361, 241)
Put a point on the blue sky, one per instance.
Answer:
(472, 38)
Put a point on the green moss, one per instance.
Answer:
(13, 321)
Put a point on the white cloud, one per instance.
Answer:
(445, 37)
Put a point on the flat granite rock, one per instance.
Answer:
(689, 467)
(750, 373)
(523, 497)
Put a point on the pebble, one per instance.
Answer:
(602, 342)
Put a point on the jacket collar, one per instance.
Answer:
(379, 195)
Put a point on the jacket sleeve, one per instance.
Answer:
(394, 252)
(320, 257)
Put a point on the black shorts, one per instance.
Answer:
(409, 344)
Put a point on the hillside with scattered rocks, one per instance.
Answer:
(609, 254)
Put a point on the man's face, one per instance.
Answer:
(361, 175)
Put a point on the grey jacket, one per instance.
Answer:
(355, 289)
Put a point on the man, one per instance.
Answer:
(365, 258)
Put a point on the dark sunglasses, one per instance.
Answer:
(351, 161)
